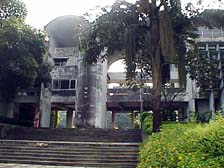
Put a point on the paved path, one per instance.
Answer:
(2, 165)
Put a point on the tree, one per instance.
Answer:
(11, 9)
(203, 65)
(22, 51)
(169, 95)
(152, 34)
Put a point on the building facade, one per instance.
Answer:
(82, 90)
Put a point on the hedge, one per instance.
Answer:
(185, 146)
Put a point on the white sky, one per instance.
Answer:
(41, 12)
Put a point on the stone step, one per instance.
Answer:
(61, 150)
(64, 143)
(75, 164)
(82, 135)
(75, 152)
(104, 148)
(85, 154)
(71, 159)
(51, 145)
(68, 155)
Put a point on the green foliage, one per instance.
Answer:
(204, 117)
(63, 116)
(150, 34)
(55, 119)
(122, 120)
(147, 123)
(12, 9)
(127, 29)
(185, 145)
(210, 18)
(22, 52)
(106, 33)
(203, 67)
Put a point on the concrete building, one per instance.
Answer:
(82, 90)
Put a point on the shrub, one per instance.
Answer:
(146, 118)
(185, 146)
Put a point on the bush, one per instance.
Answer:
(146, 119)
(186, 146)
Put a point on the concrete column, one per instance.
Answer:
(113, 119)
(190, 97)
(211, 101)
(133, 119)
(222, 101)
(91, 95)
(10, 113)
(69, 118)
(45, 107)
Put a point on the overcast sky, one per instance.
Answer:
(41, 12)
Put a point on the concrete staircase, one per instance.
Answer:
(77, 135)
(71, 147)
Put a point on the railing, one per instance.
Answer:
(211, 33)
(132, 95)
(64, 52)
(29, 92)
(63, 92)
(65, 72)
(126, 90)
(11, 121)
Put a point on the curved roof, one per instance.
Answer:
(62, 30)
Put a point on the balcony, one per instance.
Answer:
(64, 72)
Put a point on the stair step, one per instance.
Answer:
(84, 159)
(81, 164)
(77, 155)
(71, 147)
(83, 135)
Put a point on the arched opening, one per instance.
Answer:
(116, 74)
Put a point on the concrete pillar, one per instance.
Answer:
(91, 95)
(211, 103)
(133, 119)
(222, 101)
(113, 119)
(10, 113)
(190, 97)
(45, 107)
(69, 118)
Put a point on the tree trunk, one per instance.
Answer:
(156, 97)
(156, 67)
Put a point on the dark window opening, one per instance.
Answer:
(60, 61)
(64, 84)
(56, 84)
(72, 85)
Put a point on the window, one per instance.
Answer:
(63, 84)
(56, 84)
(60, 61)
(72, 84)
